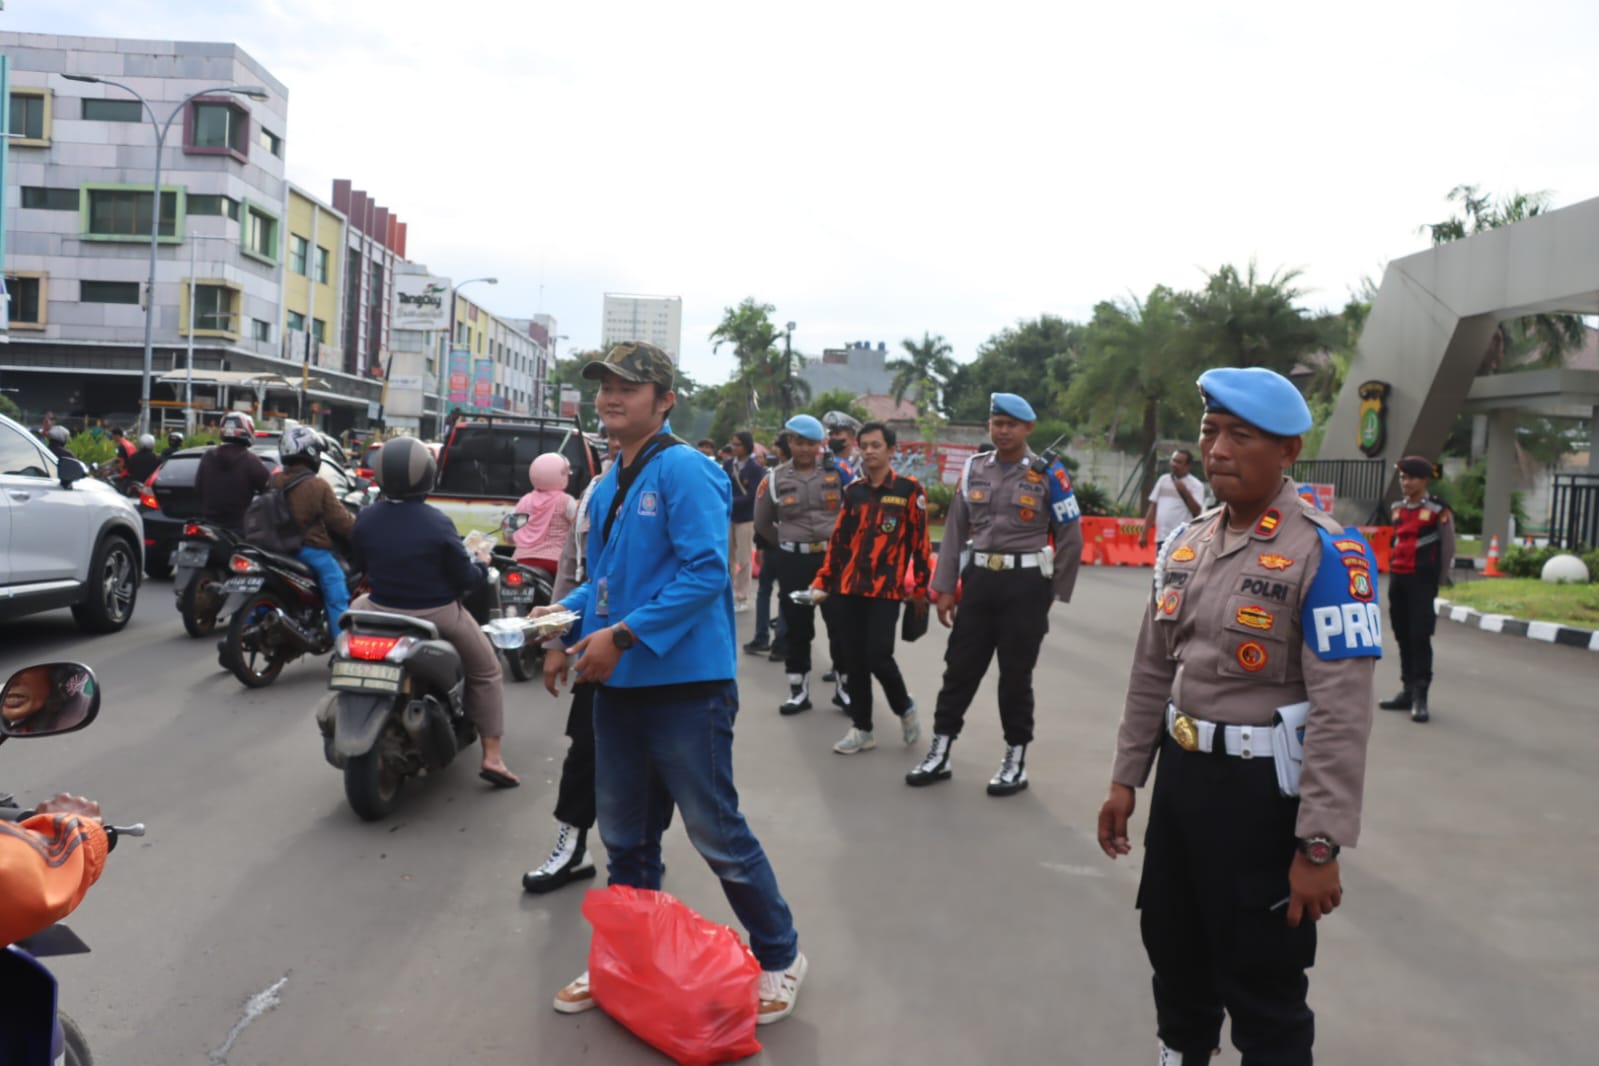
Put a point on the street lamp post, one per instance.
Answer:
(449, 349)
(788, 369)
(254, 92)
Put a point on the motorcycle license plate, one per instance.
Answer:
(191, 554)
(381, 677)
(244, 584)
(510, 595)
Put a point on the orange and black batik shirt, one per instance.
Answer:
(881, 532)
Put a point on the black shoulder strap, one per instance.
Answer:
(627, 474)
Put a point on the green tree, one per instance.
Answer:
(923, 373)
(763, 373)
(1035, 358)
(1138, 361)
(9, 408)
(1245, 320)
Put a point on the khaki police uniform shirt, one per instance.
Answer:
(1004, 507)
(806, 506)
(1222, 641)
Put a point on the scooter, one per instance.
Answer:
(200, 566)
(276, 614)
(39, 701)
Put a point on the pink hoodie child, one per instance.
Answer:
(550, 512)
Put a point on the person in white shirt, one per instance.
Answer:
(1175, 499)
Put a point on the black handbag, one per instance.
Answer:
(913, 625)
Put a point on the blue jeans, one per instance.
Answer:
(329, 575)
(685, 735)
(763, 604)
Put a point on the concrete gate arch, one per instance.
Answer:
(1430, 324)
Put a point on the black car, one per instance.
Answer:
(486, 458)
(169, 501)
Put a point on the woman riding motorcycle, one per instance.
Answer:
(319, 514)
(416, 565)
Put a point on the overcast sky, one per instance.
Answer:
(879, 169)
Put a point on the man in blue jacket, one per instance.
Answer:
(657, 637)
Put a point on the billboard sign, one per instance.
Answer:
(460, 369)
(483, 383)
(421, 302)
(570, 398)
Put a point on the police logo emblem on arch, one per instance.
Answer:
(1341, 618)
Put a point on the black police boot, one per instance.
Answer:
(1418, 713)
(1401, 702)
(799, 696)
(757, 647)
(569, 861)
(830, 677)
(936, 766)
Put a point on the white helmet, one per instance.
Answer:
(146, 442)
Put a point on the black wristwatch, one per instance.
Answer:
(622, 637)
(1319, 851)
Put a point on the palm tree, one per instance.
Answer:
(1244, 320)
(926, 371)
(748, 328)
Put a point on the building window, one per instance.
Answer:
(319, 330)
(30, 117)
(260, 331)
(260, 234)
(122, 213)
(113, 110)
(217, 127)
(296, 322)
(50, 199)
(27, 300)
(215, 307)
(202, 204)
(297, 251)
(108, 292)
(322, 265)
(271, 142)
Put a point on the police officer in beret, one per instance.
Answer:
(1423, 555)
(795, 511)
(1252, 681)
(1021, 518)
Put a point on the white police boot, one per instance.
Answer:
(799, 695)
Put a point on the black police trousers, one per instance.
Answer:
(1213, 908)
(1003, 614)
(574, 798)
(1412, 618)
(795, 572)
(867, 626)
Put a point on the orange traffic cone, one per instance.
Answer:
(1493, 558)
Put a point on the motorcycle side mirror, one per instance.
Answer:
(71, 470)
(48, 700)
(513, 522)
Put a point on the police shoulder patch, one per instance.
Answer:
(1267, 526)
(1340, 617)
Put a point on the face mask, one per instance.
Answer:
(837, 445)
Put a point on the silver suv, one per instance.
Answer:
(66, 540)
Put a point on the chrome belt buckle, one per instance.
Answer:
(996, 562)
(1184, 733)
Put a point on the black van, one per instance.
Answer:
(486, 457)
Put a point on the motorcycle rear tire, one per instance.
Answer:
(195, 623)
(75, 1044)
(241, 660)
(370, 787)
(526, 662)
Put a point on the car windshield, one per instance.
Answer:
(491, 459)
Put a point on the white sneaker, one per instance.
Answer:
(740, 606)
(576, 997)
(780, 991)
(910, 725)
(855, 740)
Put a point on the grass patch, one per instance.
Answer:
(1530, 599)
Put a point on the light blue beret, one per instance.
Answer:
(1012, 406)
(1261, 397)
(805, 426)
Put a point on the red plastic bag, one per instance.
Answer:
(686, 986)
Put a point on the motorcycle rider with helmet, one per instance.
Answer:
(322, 519)
(416, 565)
(142, 463)
(56, 441)
(230, 474)
(174, 442)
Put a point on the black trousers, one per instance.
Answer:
(795, 572)
(866, 630)
(1213, 911)
(574, 799)
(1004, 615)
(1412, 617)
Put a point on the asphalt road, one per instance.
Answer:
(261, 923)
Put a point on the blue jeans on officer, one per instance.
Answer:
(330, 576)
(684, 734)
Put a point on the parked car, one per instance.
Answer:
(66, 539)
(483, 465)
(169, 501)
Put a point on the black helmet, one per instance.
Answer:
(405, 468)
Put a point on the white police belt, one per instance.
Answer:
(1242, 741)
(1007, 560)
(800, 547)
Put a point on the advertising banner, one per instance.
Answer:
(954, 461)
(460, 371)
(420, 302)
(570, 398)
(483, 383)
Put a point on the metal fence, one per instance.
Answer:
(1574, 513)
(1359, 480)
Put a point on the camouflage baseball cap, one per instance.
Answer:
(634, 361)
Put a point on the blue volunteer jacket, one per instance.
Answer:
(665, 572)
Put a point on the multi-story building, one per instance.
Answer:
(374, 249)
(857, 368)
(313, 269)
(656, 319)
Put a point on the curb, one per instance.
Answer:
(1548, 632)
